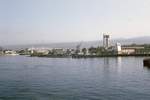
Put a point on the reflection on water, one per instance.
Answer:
(106, 61)
(109, 62)
(119, 64)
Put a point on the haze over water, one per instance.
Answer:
(116, 78)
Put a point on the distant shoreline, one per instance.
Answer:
(92, 56)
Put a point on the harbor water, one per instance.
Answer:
(108, 78)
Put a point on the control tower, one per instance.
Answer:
(106, 40)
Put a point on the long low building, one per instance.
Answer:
(130, 50)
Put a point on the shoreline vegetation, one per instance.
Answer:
(78, 52)
(95, 52)
(92, 52)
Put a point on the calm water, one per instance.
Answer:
(25, 78)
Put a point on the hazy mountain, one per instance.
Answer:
(136, 40)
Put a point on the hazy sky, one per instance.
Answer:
(46, 21)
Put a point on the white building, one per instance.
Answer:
(118, 48)
(10, 52)
(130, 50)
(44, 51)
(58, 51)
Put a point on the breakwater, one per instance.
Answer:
(113, 55)
(91, 56)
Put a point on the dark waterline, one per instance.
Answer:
(27, 78)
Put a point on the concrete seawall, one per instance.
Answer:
(111, 55)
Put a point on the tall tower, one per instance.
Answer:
(106, 38)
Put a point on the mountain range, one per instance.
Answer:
(87, 44)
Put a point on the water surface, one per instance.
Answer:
(26, 78)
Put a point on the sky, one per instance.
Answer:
(54, 21)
